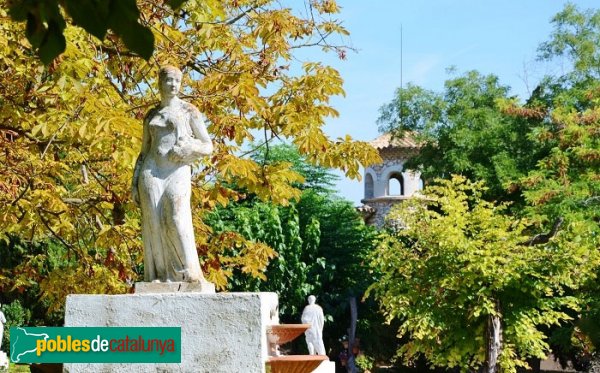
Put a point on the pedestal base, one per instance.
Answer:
(224, 332)
(203, 287)
(325, 367)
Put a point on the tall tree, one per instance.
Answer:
(576, 37)
(469, 287)
(69, 132)
(465, 130)
(315, 177)
(565, 184)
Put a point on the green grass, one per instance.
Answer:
(18, 368)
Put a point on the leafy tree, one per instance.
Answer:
(315, 177)
(576, 36)
(412, 108)
(34, 266)
(277, 230)
(468, 286)
(70, 132)
(322, 246)
(465, 130)
(564, 184)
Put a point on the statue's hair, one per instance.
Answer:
(167, 70)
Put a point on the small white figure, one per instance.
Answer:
(313, 315)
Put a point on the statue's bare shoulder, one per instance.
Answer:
(192, 110)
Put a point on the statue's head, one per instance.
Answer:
(312, 299)
(169, 80)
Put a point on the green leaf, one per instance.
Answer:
(35, 30)
(54, 43)
(124, 22)
(45, 25)
(140, 40)
(176, 4)
(91, 15)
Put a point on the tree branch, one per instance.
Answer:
(591, 200)
(58, 237)
(545, 237)
(74, 117)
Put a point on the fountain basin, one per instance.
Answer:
(284, 333)
(295, 363)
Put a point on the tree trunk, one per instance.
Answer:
(350, 364)
(494, 341)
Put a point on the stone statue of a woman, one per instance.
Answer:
(174, 137)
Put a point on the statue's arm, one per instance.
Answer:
(304, 319)
(2, 319)
(321, 319)
(204, 146)
(140, 159)
(189, 150)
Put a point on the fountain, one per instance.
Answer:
(279, 334)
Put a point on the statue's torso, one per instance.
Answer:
(166, 126)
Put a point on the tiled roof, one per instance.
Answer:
(386, 140)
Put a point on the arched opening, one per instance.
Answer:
(395, 185)
(369, 187)
(421, 185)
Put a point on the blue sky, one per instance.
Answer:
(499, 37)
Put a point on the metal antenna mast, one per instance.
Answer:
(401, 83)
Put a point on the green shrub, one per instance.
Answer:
(16, 315)
(364, 363)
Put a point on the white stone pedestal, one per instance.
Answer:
(325, 367)
(203, 286)
(224, 332)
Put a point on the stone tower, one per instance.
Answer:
(387, 183)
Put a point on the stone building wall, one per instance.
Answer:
(378, 198)
(381, 207)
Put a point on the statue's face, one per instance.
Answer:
(170, 84)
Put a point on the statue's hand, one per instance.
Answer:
(187, 150)
(181, 152)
